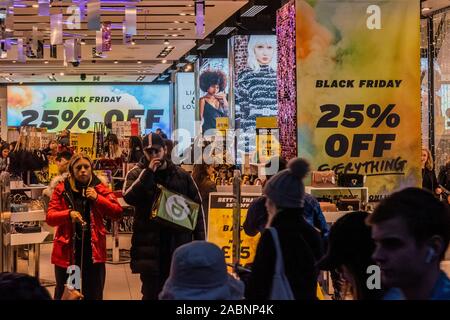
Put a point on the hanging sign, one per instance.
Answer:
(358, 106)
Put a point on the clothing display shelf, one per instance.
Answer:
(331, 217)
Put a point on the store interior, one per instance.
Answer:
(128, 68)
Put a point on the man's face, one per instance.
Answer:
(63, 165)
(159, 153)
(400, 257)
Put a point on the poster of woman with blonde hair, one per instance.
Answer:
(256, 81)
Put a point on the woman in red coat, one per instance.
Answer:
(77, 208)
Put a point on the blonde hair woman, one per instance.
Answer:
(429, 180)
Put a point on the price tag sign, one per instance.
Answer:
(83, 143)
(220, 226)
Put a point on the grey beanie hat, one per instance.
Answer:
(286, 188)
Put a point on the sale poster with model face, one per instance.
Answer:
(78, 108)
(358, 90)
(255, 84)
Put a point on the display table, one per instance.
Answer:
(331, 217)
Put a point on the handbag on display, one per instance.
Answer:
(175, 210)
(328, 207)
(351, 180)
(349, 204)
(323, 179)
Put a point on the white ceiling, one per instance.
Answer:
(156, 21)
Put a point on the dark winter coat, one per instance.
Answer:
(152, 243)
(301, 246)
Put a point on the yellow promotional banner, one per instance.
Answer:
(83, 143)
(267, 138)
(220, 226)
(52, 171)
(358, 89)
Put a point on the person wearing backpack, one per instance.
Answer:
(300, 244)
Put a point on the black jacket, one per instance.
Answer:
(429, 180)
(153, 244)
(301, 246)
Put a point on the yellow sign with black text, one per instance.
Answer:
(83, 143)
(220, 226)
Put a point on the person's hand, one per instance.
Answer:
(76, 217)
(91, 194)
(71, 294)
(155, 163)
(221, 96)
(438, 190)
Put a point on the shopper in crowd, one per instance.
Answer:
(411, 230)
(202, 176)
(12, 146)
(62, 161)
(77, 208)
(152, 243)
(4, 159)
(136, 151)
(429, 180)
(114, 151)
(214, 103)
(161, 133)
(257, 216)
(301, 246)
(17, 287)
(199, 272)
(52, 150)
(350, 249)
(444, 181)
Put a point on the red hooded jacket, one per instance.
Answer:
(58, 216)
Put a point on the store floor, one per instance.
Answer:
(120, 284)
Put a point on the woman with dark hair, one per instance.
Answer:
(136, 151)
(4, 157)
(201, 175)
(114, 150)
(77, 208)
(52, 149)
(350, 249)
(214, 104)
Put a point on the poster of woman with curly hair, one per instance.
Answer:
(213, 82)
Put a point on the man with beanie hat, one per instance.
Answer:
(152, 243)
(301, 245)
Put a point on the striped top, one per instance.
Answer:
(256, 96)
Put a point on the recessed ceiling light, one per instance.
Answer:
(176, 22)
(83, 42)
(174, 35)
(133, 42)
(139, 62)
(182, 14)
(164, 61)
(170, 47)
(35, 6)
(61, 74)
(116, 62)
(166, 42)
(426, 9)
(14, 61)
(46, 62)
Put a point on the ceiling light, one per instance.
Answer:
(133, 42)
(14, 61)
(164, 61)
(253, 11)
(139, 62)
(225, 31)
(35, 6)
(188, 68)
(170, 47)
(174, 35)
(166, 42)
(426, 9)
(116, 62)
(83, 42)
(61, 74)
(46, 62)
(182, 14)
(176, 22)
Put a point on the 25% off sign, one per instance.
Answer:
(354, 115)
(51, 119)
